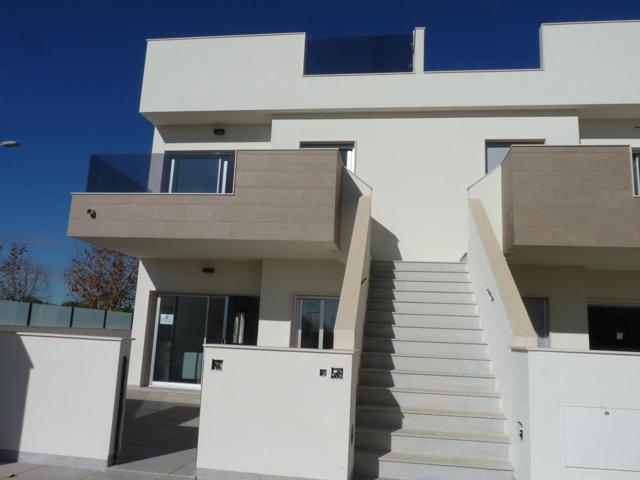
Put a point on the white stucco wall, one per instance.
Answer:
(199, 137)
(59, 396)
(276, 282)
(570, 290)
(419, 168)
(265, 73)
(282, 281)
(489, 190)
(269, 412)
(181, 276)
(553, 385)
(610, 132)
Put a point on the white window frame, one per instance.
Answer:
(330, 145)
(223, 167)
(635, 173)
(488, 141)
(298, 311)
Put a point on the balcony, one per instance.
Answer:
(364, 54)
(247, 205)
(565, 205)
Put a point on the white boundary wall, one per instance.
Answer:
(268, 411)
(59, 397)
(580, 411)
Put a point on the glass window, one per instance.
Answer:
(347, 151)
(636, 174)
(496, 151)
(538, 311)
(316, 322)
(613, 327)
(198, 173)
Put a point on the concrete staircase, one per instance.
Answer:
(427, 405)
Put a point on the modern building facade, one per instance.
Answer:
(373, 270)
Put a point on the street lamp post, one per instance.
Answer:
(9, 143)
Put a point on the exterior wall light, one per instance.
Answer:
(208, 270)
(219, 131)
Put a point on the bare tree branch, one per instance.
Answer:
(101, 278)
(21, 278)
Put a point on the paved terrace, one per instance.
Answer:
(159, 442)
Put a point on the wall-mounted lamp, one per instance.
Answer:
(219, 131)
(91, 212)
(208, 270)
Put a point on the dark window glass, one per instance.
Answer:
(614, 328)
(198, 173)
(365, 54)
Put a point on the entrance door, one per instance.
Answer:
(185, 322)
(180, 331)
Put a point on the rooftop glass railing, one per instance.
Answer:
(363, 54)
(184, 172)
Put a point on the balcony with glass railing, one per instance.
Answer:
(175, 204)
(190, 172)
(359, 54)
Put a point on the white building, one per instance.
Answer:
(396, 274)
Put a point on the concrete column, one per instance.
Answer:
(418, 50)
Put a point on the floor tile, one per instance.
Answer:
(14, 468)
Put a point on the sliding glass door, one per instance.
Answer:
(184, 323)
(179, 338)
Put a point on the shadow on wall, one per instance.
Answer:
(384, 244)
(205, 134)
(15, 368)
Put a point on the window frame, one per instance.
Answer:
(167, 177)
(542, 342)
(335, 145)
(512, 142)
(298, 319)
(635, 173)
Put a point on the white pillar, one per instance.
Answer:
(418, 50)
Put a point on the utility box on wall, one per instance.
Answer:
(602, 438)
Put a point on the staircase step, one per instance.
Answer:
(434, 419)
(421, 466)
(471, 444)
(432, 308)
(419, 266)
(417, 320)
(427, 334)
(420, 276)
(413, 296)
(439, 363)
(415, 379)
(418, 286)
(431, 399)
(419, 347)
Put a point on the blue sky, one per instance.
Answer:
(70, 76)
